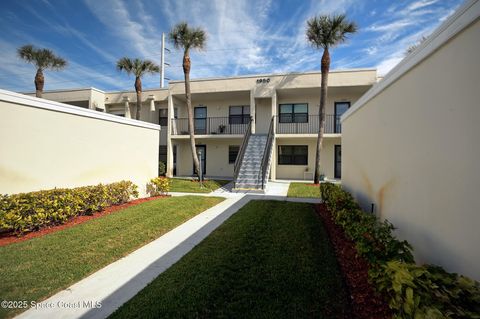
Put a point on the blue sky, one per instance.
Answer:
(244, 36)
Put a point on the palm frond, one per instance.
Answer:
(41, 58)
(328, 31)
(186, 38)
(137, 66)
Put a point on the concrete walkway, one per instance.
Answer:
(118, 282)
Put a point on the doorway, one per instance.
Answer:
(340, 108)
(200, 119)
(338, 161)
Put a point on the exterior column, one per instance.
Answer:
(252, 109)
(126, 99)
(170, 116)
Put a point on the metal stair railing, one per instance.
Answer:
(266, 153)
(241, 153)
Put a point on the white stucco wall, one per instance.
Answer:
(413, 148)
(45, 144)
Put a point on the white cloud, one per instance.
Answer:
(420, 4)
(118, 19)
(391, 27)
(386, 65)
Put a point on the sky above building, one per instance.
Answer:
(243, 37)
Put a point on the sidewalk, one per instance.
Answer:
(118, 282)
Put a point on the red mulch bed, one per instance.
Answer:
(9, 238)
(366, 303)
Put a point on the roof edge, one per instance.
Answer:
(274, 74)
(463, 17)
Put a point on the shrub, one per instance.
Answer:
(413, 291)
(427, 291)
(161, 168)
(25, 212)
(373, 238)
(158, 186)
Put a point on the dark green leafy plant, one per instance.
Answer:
(161, 168)
(413, 291)
(427, 291)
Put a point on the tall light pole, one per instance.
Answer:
(162, 65)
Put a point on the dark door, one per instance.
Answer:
(338, 161)
(202, 157)
(200, 118)
(340, 108)
(174, 160)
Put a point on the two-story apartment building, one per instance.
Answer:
(249, 128)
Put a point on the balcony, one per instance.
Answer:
(307, 124)
(233, 125)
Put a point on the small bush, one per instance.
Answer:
(373, 238)
(413, 291)
(427, 291)
(158, 186)
(26, 212)
(161, 168)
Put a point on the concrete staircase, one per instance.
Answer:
(250, 176)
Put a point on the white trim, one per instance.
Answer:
(461, 19)
(273, 74)
(68, 90)
(31, 101)
(132, 91)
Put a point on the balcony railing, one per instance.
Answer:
(307, 124)
(212, 125)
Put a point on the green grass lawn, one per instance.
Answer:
(269, 260)
(192, 186)
(37, 268)
(303, 190)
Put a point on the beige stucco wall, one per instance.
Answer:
(413, 151)
(46, 148)
(217, 105)
(291, 80)
(91, 96)
(297, 171)
(263, 115)
(217, 156)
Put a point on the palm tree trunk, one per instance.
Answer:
(191, 127)
(138, 88)
(325, 68)
(39, 83)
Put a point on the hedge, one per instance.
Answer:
(20, 213)
(413, 291)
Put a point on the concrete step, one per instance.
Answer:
(247, 186)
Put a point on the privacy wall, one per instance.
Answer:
(411, 146)
(45, 144)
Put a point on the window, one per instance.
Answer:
(239, 114)
(293, 113)
(163, 119)
(233, 153)
(293, 155)
(162, 154)
(340, 108)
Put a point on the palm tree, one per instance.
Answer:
(138, 68)
(325, 32)
(186, 38)
(43, 59)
